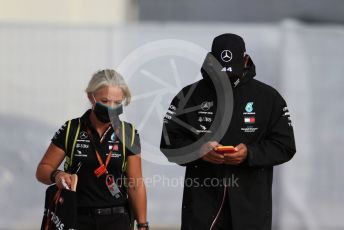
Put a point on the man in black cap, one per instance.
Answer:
(228, 189)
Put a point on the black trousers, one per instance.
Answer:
(116, 221)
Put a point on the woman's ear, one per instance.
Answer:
(91, 98)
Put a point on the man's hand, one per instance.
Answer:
(208, 153)
(237, 157)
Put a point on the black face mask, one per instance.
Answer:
(105, 113)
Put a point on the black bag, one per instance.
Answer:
(59, 209)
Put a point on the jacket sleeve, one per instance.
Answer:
(278, 146)
(176, 133)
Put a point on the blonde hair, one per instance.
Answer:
(108, 77)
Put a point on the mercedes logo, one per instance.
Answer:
(205, 106)
(83, 135)
(226, 55)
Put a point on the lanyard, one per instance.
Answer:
(102, 168)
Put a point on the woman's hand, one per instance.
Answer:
(63, 180)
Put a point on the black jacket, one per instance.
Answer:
(260, 120)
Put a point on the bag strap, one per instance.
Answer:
(125, 161)
(123, 147)
(124, 168)
(132, 135)
(70, 154)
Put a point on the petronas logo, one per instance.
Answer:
(249, 107)
(113, 137)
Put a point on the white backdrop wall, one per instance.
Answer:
(44, 70)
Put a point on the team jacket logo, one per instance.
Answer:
(83, 135)
(170, 113)
(80, 154)
(226, 55)
(113, 137)
(82, 146)
(287, 114)
(249, 107)
(250, 120)
(115, 147)
(224, 69)
(205, 106)
(205, 119)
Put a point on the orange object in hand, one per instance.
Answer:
(225, 149)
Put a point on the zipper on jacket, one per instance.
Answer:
(212, 227)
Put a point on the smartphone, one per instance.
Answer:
(225, 149)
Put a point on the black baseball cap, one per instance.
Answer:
(229, 50)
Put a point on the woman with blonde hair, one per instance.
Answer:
(106, 153)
